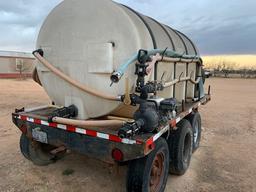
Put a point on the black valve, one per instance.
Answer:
(143, 56)
(130, 129)
(141, 68)
(65, 112)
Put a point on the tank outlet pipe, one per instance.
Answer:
(161, 58)
(117, 75)
(39, 56)
(89, 123)
(181, 79)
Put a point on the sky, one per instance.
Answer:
(216, 27)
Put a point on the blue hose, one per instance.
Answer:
(116, 76)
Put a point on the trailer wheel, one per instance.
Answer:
(40, 154)
(195, 120)
(180, 146)
(37, 152)
(24, 146)
(151, 172)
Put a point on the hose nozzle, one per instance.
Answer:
(116, 76)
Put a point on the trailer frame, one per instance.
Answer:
(97, 144)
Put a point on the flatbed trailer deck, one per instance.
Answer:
(99, 142)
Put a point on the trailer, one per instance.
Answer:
(150, 156)
(125, 89)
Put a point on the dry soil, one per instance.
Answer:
(225, 162)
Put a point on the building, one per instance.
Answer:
(16, 64)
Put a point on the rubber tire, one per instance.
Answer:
(193, 118)
(178, 163)
(39, 156)
(139, 170)
(24, 143)
(36, 152)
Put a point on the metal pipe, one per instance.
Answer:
(89, 123)
(194, 81)
(127, 98)
(168, 56)
(209, 90)
(171, 60)
(175, 81)
(170, 83)
(73, 82)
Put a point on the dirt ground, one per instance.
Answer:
(225, 162)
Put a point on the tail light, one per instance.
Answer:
(117, 154)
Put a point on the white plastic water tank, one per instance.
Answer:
(89, 39)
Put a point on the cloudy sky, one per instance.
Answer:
(217, 27)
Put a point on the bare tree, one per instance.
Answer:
(21, 67)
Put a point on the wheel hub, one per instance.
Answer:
(196, 131)
(157, 171)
